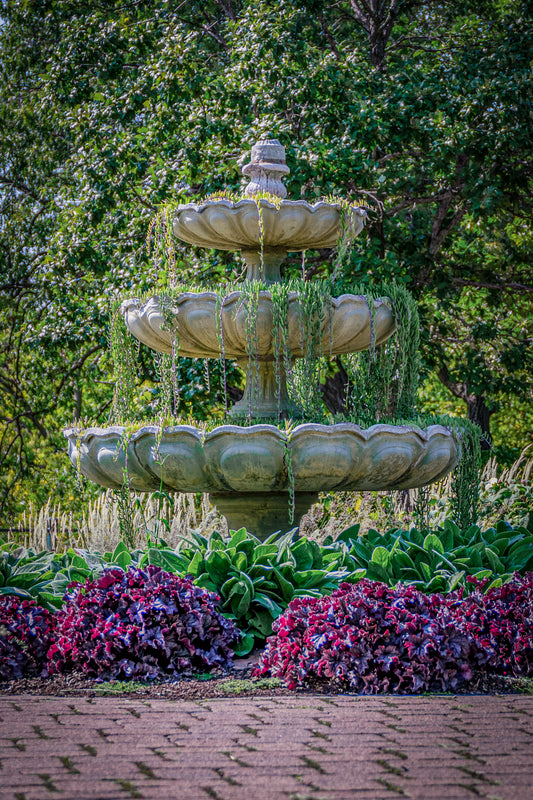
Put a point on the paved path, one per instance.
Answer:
(306, 747)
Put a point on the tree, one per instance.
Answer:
(419, 110)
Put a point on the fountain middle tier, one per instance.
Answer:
(201, 323)
(260, 458)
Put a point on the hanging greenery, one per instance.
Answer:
(465, 477)
(123, 353)
(383, 381)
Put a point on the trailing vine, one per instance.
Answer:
(465, 477)
(123, 354)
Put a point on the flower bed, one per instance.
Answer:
(371, 638)
(367, 637)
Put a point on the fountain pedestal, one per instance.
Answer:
(262, 513)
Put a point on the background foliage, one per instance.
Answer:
(419, 110)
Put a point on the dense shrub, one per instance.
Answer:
(143, 623)
(370, 638)
(26, 632)
(502, 621)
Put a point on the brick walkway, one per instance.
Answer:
(306, 747)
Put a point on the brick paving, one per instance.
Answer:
(303, 747)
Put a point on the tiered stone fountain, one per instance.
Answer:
(247, 470)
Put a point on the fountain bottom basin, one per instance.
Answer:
(250, 472)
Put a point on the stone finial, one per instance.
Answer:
(266, 168)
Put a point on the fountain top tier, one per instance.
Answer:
(263, 225)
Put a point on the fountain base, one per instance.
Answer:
(262, 513)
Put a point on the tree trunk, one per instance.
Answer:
(478, 412)
(334, 389)
(477, 409)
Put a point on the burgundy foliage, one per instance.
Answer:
(26, 632)
(370, 637)
(502, 622)
(144, 624)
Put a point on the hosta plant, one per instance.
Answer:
(26, 633)
(441, 560)
(141, 623)
(370, 638)
(255, 580)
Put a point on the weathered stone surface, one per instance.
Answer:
(192, 318)
(290, 225)
(266, 169)
(231, 458)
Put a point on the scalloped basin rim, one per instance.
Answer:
(236, 294)
(312, 207)
(308, 427)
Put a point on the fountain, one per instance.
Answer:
(262, 476)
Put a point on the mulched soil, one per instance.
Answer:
(237, 681)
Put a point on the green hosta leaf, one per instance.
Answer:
(120, 550)
(206, 583)
(494, 562)
(355, 576)
(261, 620)
(240, 561)
(409, 574)
(238, 537)
(260, 571)
(436, 584)
(425, 570)
(311, 578)
(375, 572)
(78, 575)
(381, 557)
(403, 559)
(432, 542)
(318, 554)
(249, 583)
(286, 587)
(482, 574)
(49, 600)
(25, 581)
(303, 554)
(245, 645)
(268, 603)
(197, 565)
(227, 586)
(493, 584)
(167, 560)
(265, 554)
(248, 548)
(237, 591)
(123, 560)
(241, 605)
(454, 580)
(79, 562)
(519, 554)
(287, 570)
(16, 591)
(308, 593)
(349, 535)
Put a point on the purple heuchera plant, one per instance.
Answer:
(370, 638)
(143, 623)
(501, 621)
(26, 632)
